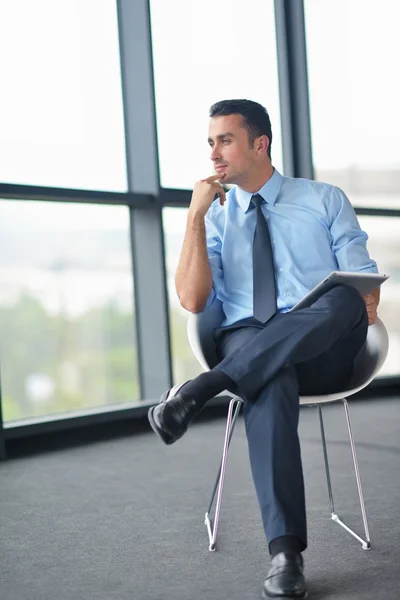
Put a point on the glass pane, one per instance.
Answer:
(184, 364)
(354, 97)
(209, 53)
(61, 116)
(384, 247)
(67, 337)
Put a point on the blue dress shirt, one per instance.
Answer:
(314, 231)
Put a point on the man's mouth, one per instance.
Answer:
(220, 168)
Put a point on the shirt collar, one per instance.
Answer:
(269, 191)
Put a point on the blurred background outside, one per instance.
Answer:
(67, 314)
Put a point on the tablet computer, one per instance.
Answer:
(363, 282)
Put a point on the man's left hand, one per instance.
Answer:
(372, 308)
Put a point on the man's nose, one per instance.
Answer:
(215, 153)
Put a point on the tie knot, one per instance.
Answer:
(257, 200)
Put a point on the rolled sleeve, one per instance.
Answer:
(349, 241)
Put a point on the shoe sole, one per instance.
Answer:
(267, 597)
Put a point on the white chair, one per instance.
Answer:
(368, 363)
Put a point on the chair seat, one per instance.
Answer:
(367, 364)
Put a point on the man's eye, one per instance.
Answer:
(227, 141)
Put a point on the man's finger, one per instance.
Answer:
(369, 300)
(212, 178)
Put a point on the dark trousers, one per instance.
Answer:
(309, 351)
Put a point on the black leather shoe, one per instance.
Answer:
(285, 577)
(171, 417)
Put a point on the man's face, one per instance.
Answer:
(231, 153)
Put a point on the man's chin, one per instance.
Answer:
(226, 179)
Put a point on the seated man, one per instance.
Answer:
(259, 249)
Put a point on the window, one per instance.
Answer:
(213, 51)
(353, 50)
(61, 116)
(68, 340)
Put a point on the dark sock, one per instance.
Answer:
(285, 543)
(206, 386)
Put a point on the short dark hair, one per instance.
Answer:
(256, 118)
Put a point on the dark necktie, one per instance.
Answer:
(264, 293)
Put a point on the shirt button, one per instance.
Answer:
(281, 270)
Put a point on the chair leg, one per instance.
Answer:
(327, 471)
(230, 424)
(366, 544)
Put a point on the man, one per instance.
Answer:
(300, 230)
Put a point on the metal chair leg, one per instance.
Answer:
(328, 475)
(237, 409)
(234, 405)
(366, 544)
(230, 424)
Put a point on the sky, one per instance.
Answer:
(217, 52)
(61, 116)
(353, 48)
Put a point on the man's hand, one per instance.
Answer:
(372, 307)
(204, 193)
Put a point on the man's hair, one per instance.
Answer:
(255, 116)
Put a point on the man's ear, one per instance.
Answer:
(262, 144)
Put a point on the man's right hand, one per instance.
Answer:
(204, 193)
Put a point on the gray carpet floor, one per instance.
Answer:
(122, 519)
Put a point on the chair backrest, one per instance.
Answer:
(371, 357)
(199, 328)
(367, 364)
